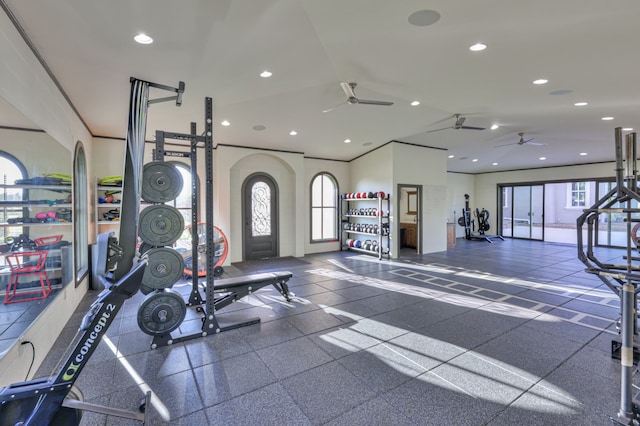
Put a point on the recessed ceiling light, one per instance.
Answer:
(259, 127)
(494, 126)
(477, 47)
(540, 81)
(581, 104)
(265, 74)
(347, 141)
(627, 129)
(474, 160)
(424, 18)
(543, 158)
(451, 156)
(293, 133)
(415, 103)
(583, 153)
(143, 39)
(494, 164)
(607, 118)
(225, 123)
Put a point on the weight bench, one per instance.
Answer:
(238, 287)
(225, 292)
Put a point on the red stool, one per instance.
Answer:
(23, 264)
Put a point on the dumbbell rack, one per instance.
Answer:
(368, 217)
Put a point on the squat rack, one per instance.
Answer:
(210, 323)
(228, 289)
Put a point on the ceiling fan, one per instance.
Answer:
(459, 124)
(352, 99)
(522, 141)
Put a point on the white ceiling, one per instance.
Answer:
(218, 48)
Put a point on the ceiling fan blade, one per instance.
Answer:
(437, 130)
(369, 102)
(471, 128)
(442, 120)
(334, 107)
(534, 143)
(348, 90)
(506, 144)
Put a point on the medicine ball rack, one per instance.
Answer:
(372, 222)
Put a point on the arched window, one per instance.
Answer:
(324, 208)
(11, 169)
(80, 214)
(183, 200)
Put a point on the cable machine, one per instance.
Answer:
(482, 217)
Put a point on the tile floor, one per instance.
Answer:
(508, 333)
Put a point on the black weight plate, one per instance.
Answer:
(218, 271)
(161, 313)
(161, 182)
(164, 268)
(144, 247)
(160, 225)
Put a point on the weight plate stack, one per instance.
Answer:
(164, 268)
(161, 182)
(160, 225)
(161, 313)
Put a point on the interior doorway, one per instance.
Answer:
(409, 219)
(260, 216)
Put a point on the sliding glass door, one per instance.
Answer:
(523, 211)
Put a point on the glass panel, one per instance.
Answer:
(522, 212)
(316, 192)
(537, 213)
(80, 203)
(183, 200)
(328, 192)
(260, 209)
(9, 174)
(506, 194)
(316, 223)
(328, 223)
(612, 228)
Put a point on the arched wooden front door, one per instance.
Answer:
(260, 216)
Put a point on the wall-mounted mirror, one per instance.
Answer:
(36, 226)
(412, 202)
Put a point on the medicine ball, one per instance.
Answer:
(371, 195)
(381, 194)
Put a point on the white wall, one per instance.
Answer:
(233, 165)
(340, 171)
(414, 165)
(25, 85)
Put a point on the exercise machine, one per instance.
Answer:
(624, 278)
(469, 224)
(54, 400)
(164, 311)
